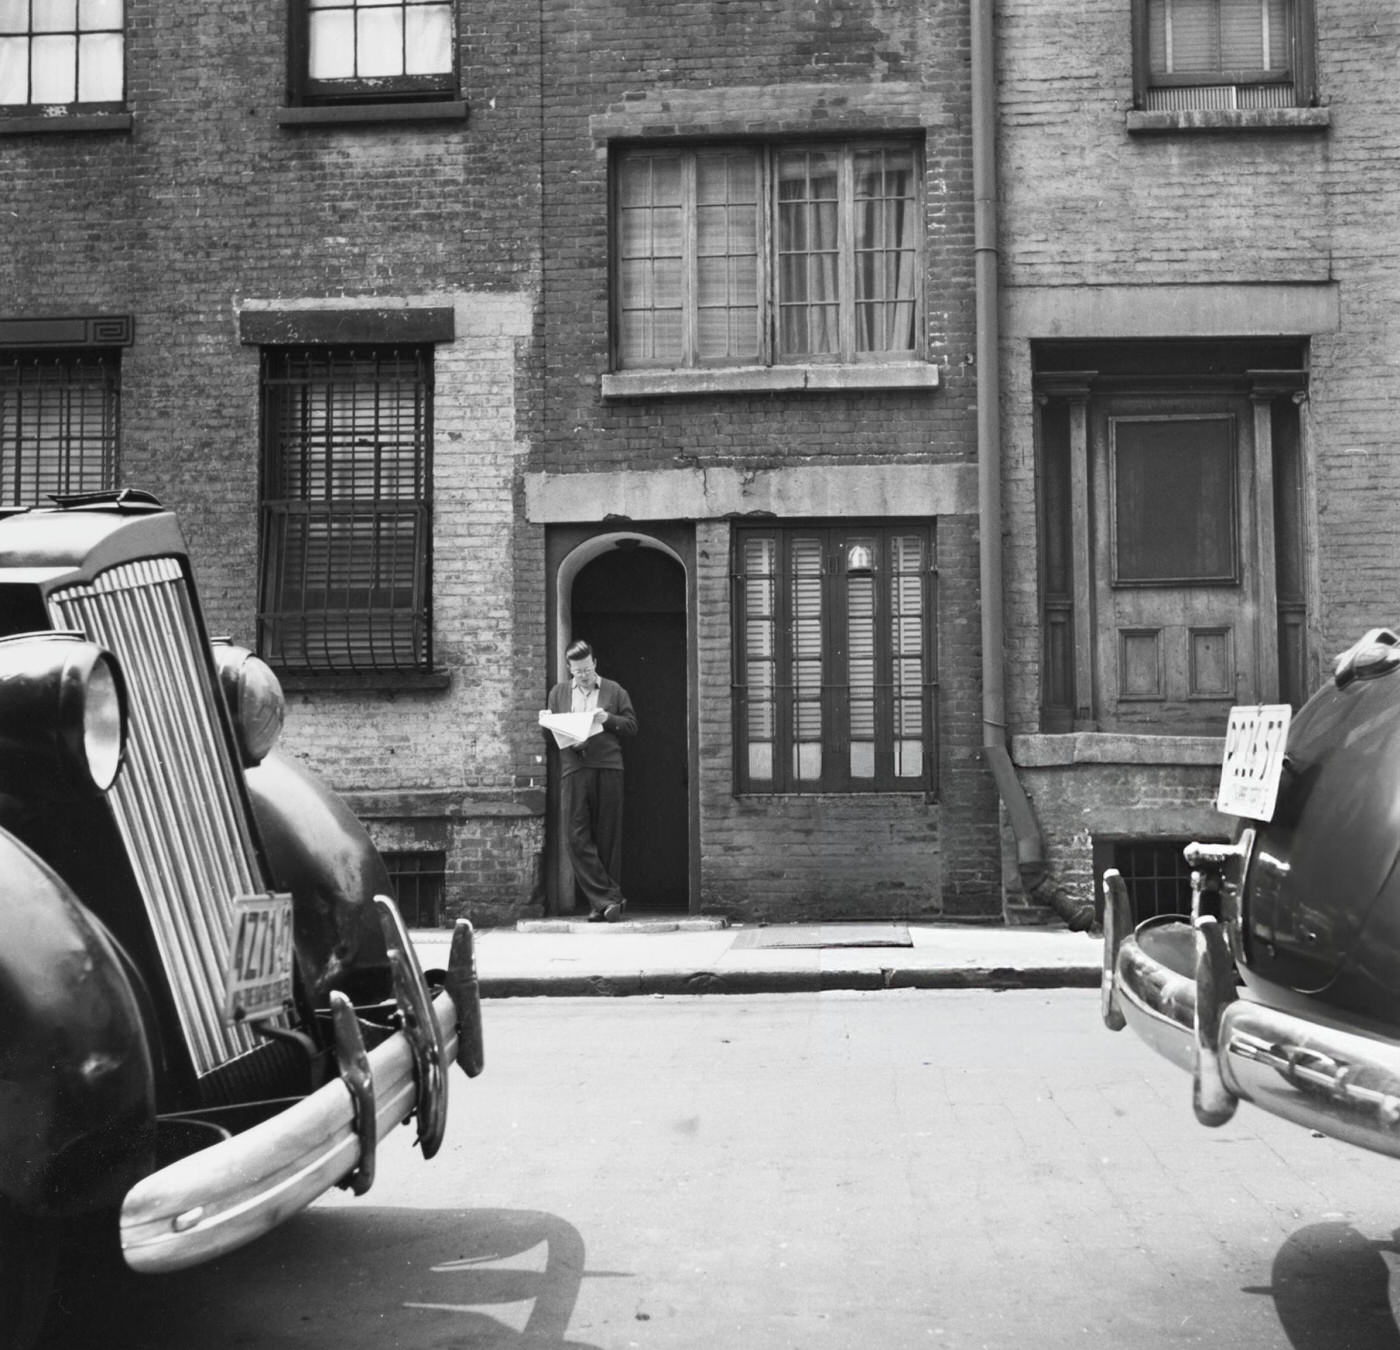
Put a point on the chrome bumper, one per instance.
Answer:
(1167, 982)
(213, 1201)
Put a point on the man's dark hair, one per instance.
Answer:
(579, 650)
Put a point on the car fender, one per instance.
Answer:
(77, 1094)
(318, 850)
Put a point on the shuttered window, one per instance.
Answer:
(1223, 54)
(834, 674)
(58, 424)
(741, 255)
(346, 509)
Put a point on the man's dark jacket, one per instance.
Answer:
(602, 750)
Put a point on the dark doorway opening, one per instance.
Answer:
(630, 604)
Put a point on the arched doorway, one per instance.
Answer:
(626, 594)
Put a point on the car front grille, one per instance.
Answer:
(177, 802)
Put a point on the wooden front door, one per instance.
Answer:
(1179, 571)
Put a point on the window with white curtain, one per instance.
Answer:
(348, 51)
(833, 658)
(754, 255)
(1223, 54)
(58, 53)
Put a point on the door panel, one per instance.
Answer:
(1176, 581)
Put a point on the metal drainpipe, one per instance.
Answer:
(1030, 844)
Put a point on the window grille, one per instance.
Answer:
(54, 54)
(346, 509)
(1156, 875)
(58, 424)
(346, 51)
(834, 668)
(741, 255)
(419, 881)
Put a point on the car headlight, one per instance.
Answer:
(254, 697)
(63, 714)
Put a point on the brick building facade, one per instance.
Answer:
(454, 332)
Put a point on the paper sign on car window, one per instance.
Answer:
(260, 957)
(1254, 743)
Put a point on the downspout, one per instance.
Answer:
(1030, 844)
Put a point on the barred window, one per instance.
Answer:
(834, 658)
(346, 509)
(741, 255)
(61, 52)
(58, 424)
(1224, 54)
(419, 881)
(347, 51)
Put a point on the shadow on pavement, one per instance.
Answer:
(1331, 1287)
(347, 1279)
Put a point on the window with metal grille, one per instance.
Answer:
(746, 255)
(57, 53)
(419, 880)
(346, 510)
(1223, 54)
(355, 51)
(834, 658)
(1155, 873)
(58, 424)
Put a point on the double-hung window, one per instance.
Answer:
(743, 255)
(58, 424)
(834, 658)
(64, 54)
(1223, 54)
(346, 510)
(372, 51)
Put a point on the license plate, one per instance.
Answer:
(1254, 743)
(260, 957)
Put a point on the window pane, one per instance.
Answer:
(726, 244)
(14, 70)
(885, 250)
(14, 16)
(55, 69)
(1174, 499)
(379, 42)
(332, 41)
(100, 68)
(95, 14)
(805, 643)
(860, 672)
(54, 16)
(652, 260)
(1207, 37)
(428, 40)
(808, 253)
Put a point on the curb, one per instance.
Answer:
(660, 983)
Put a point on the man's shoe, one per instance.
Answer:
(613, 913)
(597, 915)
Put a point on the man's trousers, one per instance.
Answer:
(592, 802)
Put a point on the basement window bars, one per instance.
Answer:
(58, 424)
(418, 878)
(346, 509)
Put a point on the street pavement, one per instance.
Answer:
(644, 956)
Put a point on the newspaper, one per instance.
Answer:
(570, 728)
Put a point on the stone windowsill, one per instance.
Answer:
(1228, 119)
(60, 121)
(770, 379)
(359, 113)
(1050, 750)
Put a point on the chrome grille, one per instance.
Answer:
(177, 801)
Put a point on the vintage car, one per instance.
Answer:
(210, 1008)
(1282, 987)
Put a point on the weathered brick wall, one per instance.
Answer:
(209, 206)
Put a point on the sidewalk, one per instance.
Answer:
(703, 956)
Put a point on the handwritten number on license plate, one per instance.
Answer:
(260, 957)
(1254, 745)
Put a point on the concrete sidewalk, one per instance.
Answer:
(704, 956)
